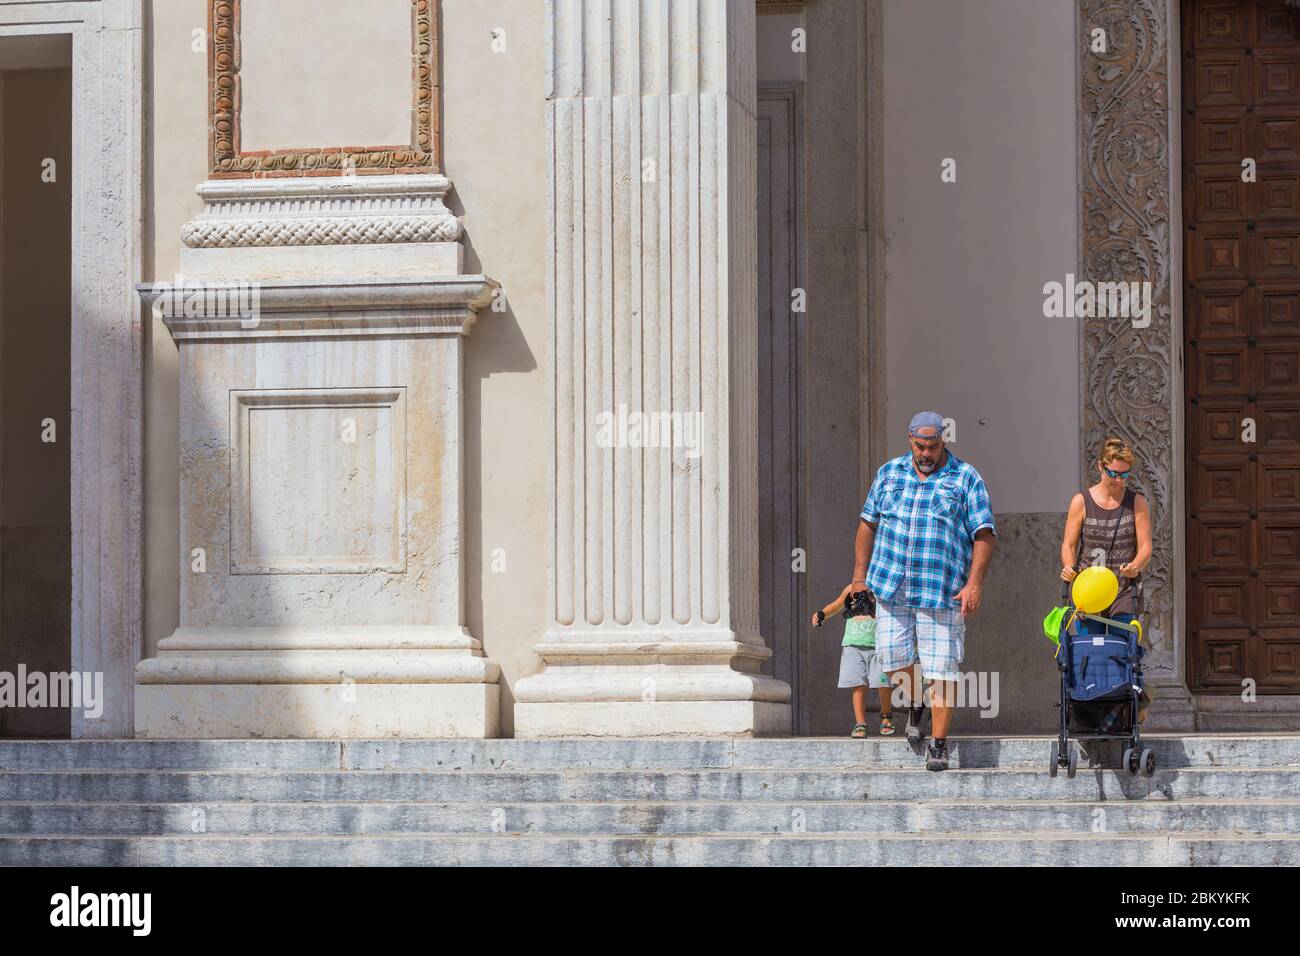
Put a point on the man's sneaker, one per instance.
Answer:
(937, 758)
(915, 715)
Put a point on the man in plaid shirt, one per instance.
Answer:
(926, 533)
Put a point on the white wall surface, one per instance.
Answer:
(990, 84)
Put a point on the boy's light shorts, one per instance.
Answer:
(860, 667)
(934, 636)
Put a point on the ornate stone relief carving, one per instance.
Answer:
(229, 161)
(1130, 375)
(314, 212)
(320, 232)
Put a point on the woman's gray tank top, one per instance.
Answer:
(1101, 527)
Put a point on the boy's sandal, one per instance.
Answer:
(858, 731)
(886, 726)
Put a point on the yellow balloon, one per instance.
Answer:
(1094, 589)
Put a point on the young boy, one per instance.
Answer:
(859, 665)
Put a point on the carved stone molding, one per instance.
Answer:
(296, 309)
(781, 6)
(313, 212)
(1130, 375)
(320, 232)
(421, 155)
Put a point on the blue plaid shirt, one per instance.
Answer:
(924, 531)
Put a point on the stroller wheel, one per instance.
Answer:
(1149, 762)
(1056, 759)
(1074, 763)
(1130, 760)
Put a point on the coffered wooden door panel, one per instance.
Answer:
(1241, 98)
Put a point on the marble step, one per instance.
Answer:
(514, 786)
(1172, 751)
(1026, 849)
(18, 820)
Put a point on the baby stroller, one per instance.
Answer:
(1100, 660)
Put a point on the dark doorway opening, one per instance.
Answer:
(35, 382)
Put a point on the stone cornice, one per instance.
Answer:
(237, 190)
(230, 309)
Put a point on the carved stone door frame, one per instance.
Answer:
(107, 344)
(1131, 377)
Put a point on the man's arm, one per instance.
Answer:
(981, 555)
(981, 527)
(862, 546)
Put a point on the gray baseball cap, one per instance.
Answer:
(926, 420)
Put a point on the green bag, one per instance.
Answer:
(1052, 624)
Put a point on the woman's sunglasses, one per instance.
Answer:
(1117, 475)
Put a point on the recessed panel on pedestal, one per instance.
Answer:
(318, 480)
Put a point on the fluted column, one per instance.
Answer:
(654, 531)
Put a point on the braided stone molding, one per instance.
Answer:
(1130, 375)
(347, 230)
(228, 160)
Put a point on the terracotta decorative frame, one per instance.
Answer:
(229, 161)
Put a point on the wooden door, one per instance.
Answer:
(780, 385)
(1241, 99)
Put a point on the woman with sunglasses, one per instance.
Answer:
(1109, 523)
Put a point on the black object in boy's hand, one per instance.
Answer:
(859, 604)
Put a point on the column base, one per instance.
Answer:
(709, 687)
(1171, 709)
(210, 711)
(401, 681)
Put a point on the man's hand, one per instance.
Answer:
(1129, 569)
(969, 596)
(857, 587)
(1068, 573)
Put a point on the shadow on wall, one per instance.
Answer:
(496, 345)
(1005, 638)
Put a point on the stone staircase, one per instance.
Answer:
(1215, 800)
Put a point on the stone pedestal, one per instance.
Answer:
(653, 578)
(1172, 708)
(321, 505)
